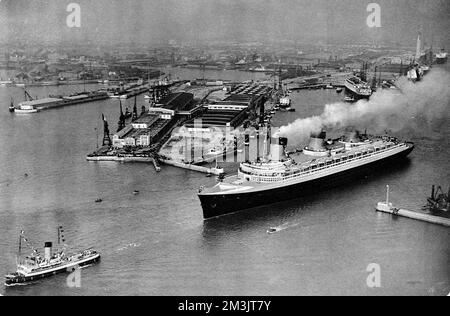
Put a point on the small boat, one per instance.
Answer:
(330, 86)
(12, 108)
(291, 110)
(349, 99)
(127, 114)
(98, 201)
(136, 192)
(272, 230)
(339, 90)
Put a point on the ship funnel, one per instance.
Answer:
(277, 148)
(48, 250)
(352, 136)
(317, 141)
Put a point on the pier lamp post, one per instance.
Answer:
(96, 136)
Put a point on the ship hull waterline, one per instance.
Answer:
(215, 205)
(27, 279)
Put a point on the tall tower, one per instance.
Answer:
(419, 47)
(106, 137)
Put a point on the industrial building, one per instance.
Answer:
(152, 126)
(233, 110)
(210, 135)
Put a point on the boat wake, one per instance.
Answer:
(129, 246)
(277, 229)
(19, 284)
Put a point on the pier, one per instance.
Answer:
(387, 207)
(192, 167)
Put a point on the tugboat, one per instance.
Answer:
(349, 99)
(127, 114)
(439, 201)
(35, 267)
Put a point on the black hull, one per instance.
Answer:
(219, 205)
(441, 61)
(23, 280)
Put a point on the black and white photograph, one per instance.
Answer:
(224, 154)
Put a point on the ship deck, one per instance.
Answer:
(305, 169)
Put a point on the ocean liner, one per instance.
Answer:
(280, 177)
(358, 88)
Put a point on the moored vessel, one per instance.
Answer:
(441, 57)
(358, 88)
(36, 105)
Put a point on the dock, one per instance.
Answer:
(212, 171)
(123, 159)
(389, 209)
(386, 207)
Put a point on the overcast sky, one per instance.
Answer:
(241, 20)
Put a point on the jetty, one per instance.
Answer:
(387, 207)
(212, 171)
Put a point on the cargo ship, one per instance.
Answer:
(33, 106)
(358, 88)
(280, 177)
(35, 266)
(129, 93)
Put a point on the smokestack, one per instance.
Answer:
(352, 136)
(247, 148)
(277, 147)
(48, 251)
(432, 192)
(316, 142)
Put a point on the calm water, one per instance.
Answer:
(156, 243)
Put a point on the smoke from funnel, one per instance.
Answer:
(416, 107)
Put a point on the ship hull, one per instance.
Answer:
(17, 280)
(441, 61)
(357, 96)
(215, 205)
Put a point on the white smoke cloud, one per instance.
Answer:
(417, 105)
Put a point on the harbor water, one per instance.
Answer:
(156, 242)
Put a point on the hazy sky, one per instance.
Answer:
(241, 20)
